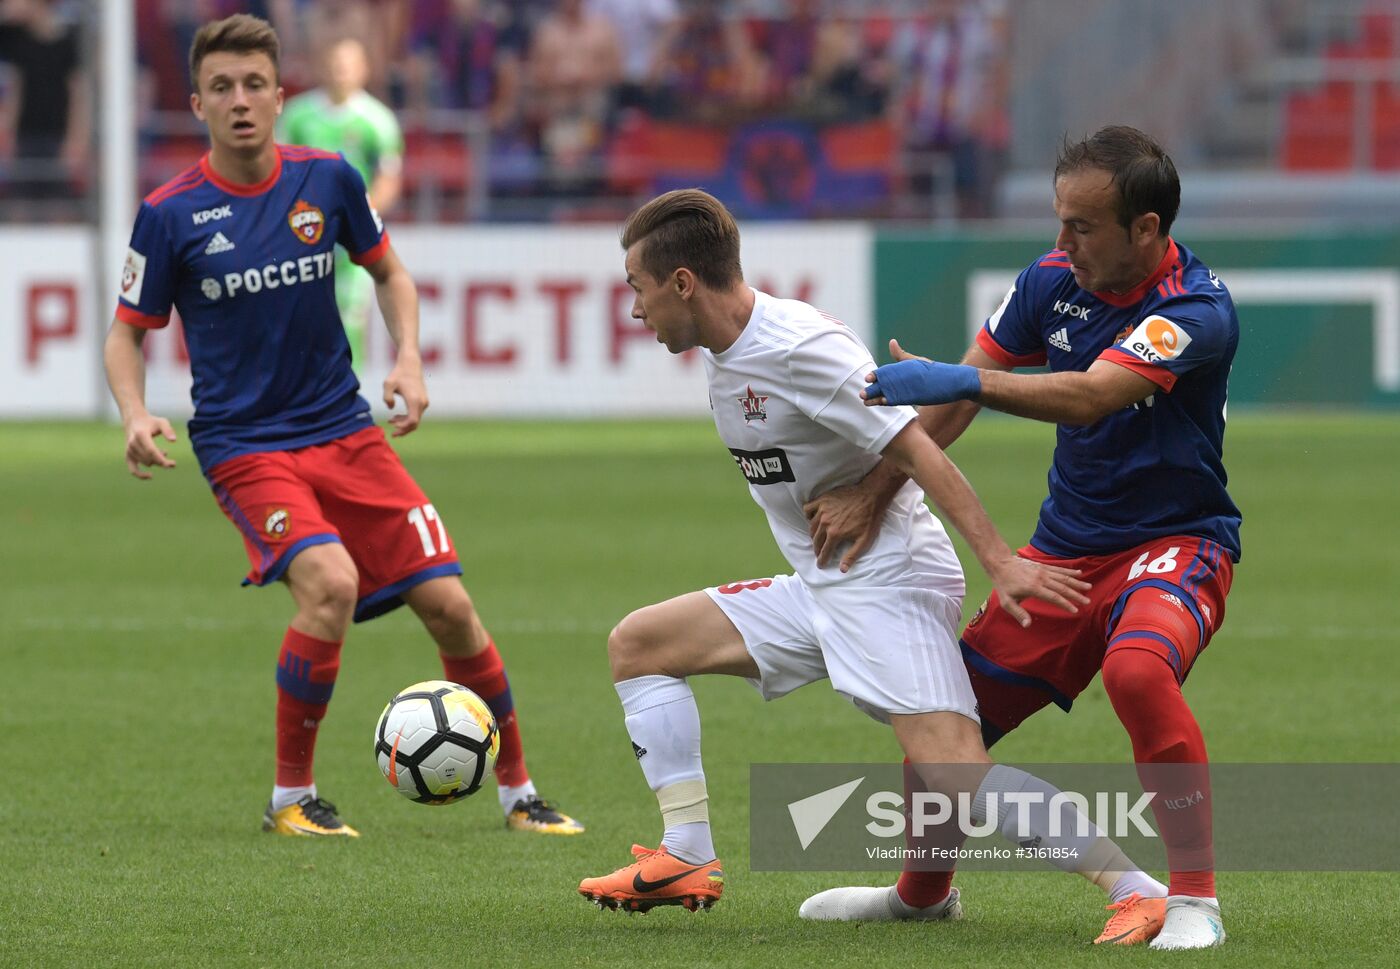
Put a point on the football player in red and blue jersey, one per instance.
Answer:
(241, 244)
(1139, 336)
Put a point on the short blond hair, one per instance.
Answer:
(691, 228)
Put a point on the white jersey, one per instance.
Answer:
(786, 402)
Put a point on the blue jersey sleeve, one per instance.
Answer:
(361, 230)
(149, 275)
(1011, 335)
(1174, 339)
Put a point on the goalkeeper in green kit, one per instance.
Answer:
(342, 116)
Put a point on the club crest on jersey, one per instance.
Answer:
(307, 221)
(278, 523)
(133, 275)
(753, 406)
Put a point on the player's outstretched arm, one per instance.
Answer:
(398, 304)
(1067, 397)
(126, 375)
(1014, 578)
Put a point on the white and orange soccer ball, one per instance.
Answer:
(435, 741)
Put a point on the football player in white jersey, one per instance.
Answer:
(785, 384)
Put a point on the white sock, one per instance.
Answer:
(1088, 854)
(664, 725)
(509, 795)
(282, 796)
(1213, 900)
(691, 842)
(1136, 881)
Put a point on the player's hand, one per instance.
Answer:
(918, 380)
(849, 516)
(1017, 579)
(406, 381)
(141, 449)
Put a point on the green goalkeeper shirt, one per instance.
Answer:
(362, 128)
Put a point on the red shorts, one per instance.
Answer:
(352, 490)
(1016, 671)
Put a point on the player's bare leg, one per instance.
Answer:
(469, 657)
(324, 585)
(651, 652)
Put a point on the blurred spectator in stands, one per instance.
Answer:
(817, 65)
(704, 68)
(575, 61)
(165, 84)
(950, 101)
(860, 76)
(787, 50)
(639, 25)
(382, 24)
(51, 101)
(467, 56)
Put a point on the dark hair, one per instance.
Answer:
(239, 34)
(690, 228)
(1142, 172)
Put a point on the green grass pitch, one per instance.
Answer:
(136, 697)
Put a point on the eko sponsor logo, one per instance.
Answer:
(1157, 340)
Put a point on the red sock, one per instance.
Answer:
(918, 887)
(1170, 754)
(306, 670)
(485, 675)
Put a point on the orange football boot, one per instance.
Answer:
(656, 878)
(1135, 920)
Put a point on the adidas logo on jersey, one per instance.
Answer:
(1060, 339)
(218, 244)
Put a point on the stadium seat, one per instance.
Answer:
(1319, 130)
(437, 171)
(1385, 124)
(1375, 40)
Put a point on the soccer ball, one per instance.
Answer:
(435, 741)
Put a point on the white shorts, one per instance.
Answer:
(887, 650)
